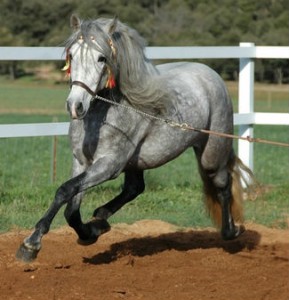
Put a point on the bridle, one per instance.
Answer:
(110, 80)
(86, 87)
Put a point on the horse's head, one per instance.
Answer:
(105, 54)
(90, 63)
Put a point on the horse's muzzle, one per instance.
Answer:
(76, 110)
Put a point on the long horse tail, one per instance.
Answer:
(242, 180)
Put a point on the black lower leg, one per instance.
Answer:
(29, 249)
(229, 229)
(133, 186)
(88, 232)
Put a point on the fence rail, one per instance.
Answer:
(214, 52)
(246, 118)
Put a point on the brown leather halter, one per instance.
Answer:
(86, 87)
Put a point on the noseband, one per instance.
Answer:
(84, 86)
(109, 84)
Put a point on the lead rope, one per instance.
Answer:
(185, 126)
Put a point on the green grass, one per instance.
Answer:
(268, 97)
(173, 192)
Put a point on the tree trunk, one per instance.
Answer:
(278, 75)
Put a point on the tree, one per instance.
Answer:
(161, 22)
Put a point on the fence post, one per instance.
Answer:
(246, 105)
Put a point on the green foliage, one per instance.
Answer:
(161, 22)
(32, 22)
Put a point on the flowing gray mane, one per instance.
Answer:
(137, 78)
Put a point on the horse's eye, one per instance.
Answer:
(102, 59)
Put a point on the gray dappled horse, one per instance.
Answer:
(106, 58)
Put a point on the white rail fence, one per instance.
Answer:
(246, 118)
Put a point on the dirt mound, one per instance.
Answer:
(150, 260)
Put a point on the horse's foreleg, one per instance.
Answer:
(31, 246)
(133, 186)
(99, 172)
(72, 211)
(89, 232)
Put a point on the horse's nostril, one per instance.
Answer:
(79, 108)
(76, 109)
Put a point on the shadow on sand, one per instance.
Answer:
(180, 241)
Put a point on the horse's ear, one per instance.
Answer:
(74, 22)
(112, 25)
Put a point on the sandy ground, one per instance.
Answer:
(150, 260)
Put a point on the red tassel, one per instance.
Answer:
(110, 81)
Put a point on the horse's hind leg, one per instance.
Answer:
(224, 196)
(214, 166)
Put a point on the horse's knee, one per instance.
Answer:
(72, 217)
(71, 212)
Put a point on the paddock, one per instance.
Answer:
(150, 260)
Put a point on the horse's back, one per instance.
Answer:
(197, 74)
(202, 89)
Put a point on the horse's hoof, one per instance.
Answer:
(97, 227)
(239, 230)
(233, 234)
(26, 254)
(87, 242)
